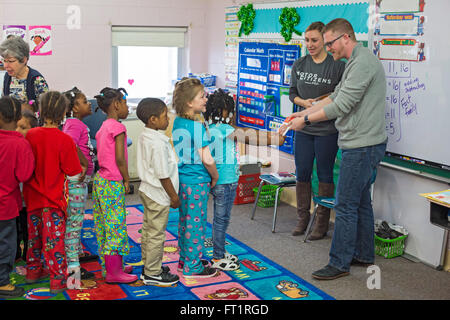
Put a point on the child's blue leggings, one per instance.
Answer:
(192, 225)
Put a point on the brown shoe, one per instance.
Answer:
(323, 214)
(303, 191)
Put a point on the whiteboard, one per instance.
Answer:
(418, 81)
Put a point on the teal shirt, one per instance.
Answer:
(224, 152)
(189, 136)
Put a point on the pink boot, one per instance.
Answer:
(114, 272)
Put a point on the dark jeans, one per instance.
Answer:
(354, 224)
(22, 234)
(323, 148)
(8, 238)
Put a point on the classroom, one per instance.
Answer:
(305, 140)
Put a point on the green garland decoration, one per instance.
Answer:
(246, 15)
(289, 18)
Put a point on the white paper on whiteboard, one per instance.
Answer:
(255, 63)
(399, 6)
(399, 52)
(286, 106)
(399, 27)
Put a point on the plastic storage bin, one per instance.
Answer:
(267, 196)
(208, 80)
(390, 248)
(244, 191)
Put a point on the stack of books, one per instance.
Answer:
(284, 176)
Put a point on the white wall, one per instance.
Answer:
(83, 57)
(397, 200)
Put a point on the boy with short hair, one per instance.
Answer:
(158, 171)
(17, 163)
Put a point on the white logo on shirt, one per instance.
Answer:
(312, 78)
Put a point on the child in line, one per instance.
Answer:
(158, 171)
(55, 157)
(220, 115)
(110, 185)
(26, 122)
(197, 174)
(78, 108)
(17, 165)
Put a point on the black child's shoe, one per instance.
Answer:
(164, 279)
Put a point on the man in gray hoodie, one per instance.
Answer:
(358, 105)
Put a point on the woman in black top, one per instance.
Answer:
(21, 81)
(314, 76)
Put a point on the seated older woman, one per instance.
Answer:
(21, 81)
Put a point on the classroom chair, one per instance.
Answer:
(329, 203)
(269, 179)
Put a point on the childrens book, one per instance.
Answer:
(442, 197)
(284, 176)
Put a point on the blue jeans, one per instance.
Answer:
(354, 225)
(223, 195)
(323, 148)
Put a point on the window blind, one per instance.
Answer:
(148, 36)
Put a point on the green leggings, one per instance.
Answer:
(109, 213)
(75, 215)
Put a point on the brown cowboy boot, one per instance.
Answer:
(303, 190)
(323, 214)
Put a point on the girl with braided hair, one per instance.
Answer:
(78, 108)
(56, 157)
(220, 114)
(110, 185)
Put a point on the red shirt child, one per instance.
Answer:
(56, 156)
(17, 165)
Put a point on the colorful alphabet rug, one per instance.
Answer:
(258, 278)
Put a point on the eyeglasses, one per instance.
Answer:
(330, 43)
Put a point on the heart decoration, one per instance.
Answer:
(130, 81)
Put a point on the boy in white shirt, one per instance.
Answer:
(158, 171)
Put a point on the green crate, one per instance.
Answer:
(267, 196)
(390, 248)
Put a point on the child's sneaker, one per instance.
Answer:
(231, 257)
(207, 272)
(181, 264)
(224, 264)
(164, 279)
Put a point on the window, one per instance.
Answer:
(146, 71)
(146, 60)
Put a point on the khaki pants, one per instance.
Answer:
(153, 234)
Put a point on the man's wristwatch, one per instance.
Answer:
(305, 119)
